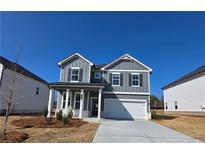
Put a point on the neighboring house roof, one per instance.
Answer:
(190, 76)
(72, 56)
(20, 69)
(126, 56)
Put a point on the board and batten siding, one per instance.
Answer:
(125, 82)
(125, 76)
(190, 96)
(127, 65)
(76, 62)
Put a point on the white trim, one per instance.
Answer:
(62, 100)
(132, 79)
(75, 67)
(127, 56)
(128, 100)
(67, 98)
(75, 54)
(78, 68)
(81, 103)
(140, 71)
(99, 103)
(75, 99)
(50, 101)
(131, 93)
(79, 86)
(89, 74)
(71, 97)
(149, 82)
(116, 73)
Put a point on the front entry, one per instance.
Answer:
(94, 106)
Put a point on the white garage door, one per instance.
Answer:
(124, 109)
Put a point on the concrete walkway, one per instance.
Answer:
(139, 131)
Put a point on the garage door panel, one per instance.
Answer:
(124, 109)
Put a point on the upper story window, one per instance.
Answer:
(116, 79)
(75, 74)
(135, 80)
(97, 75)
(176, 106)
(37, 90)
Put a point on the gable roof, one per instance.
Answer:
(20, 69)
(72, 56)
(126, 56)
(194, 74)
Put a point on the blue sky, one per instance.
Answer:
(171, 43)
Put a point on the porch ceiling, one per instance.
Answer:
(73, 85)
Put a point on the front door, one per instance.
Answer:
(94, 106)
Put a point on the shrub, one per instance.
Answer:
(70, 114)
(45, 112)
(154, 114)
(60, 115)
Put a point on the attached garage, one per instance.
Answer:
(125, 109)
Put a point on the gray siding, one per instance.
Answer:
(125, 87)
(127, 65)
(76, 62)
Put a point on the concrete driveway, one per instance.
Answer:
(139, 131)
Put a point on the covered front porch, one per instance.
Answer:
(83, 98)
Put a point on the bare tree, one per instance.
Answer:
(7, 98)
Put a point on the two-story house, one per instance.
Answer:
(120, 89)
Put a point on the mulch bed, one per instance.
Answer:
(13, 137)
(42, 122)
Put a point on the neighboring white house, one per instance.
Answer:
(30, 93)
(187, 93)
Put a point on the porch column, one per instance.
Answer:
(67, 98)
(50, 102)
(99, 103)
(58, 104)
(88, 98)
(81, 103)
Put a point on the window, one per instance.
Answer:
(166, 106)
(77, 101)
(37, 90)
(97, 75)
(116, 79)
(135, 80)
(69, 99)
(75, 74)
(176, 106)
(64, 100)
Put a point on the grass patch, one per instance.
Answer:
(190, 124)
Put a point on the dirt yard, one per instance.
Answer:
(83, 133)
(192, 124)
